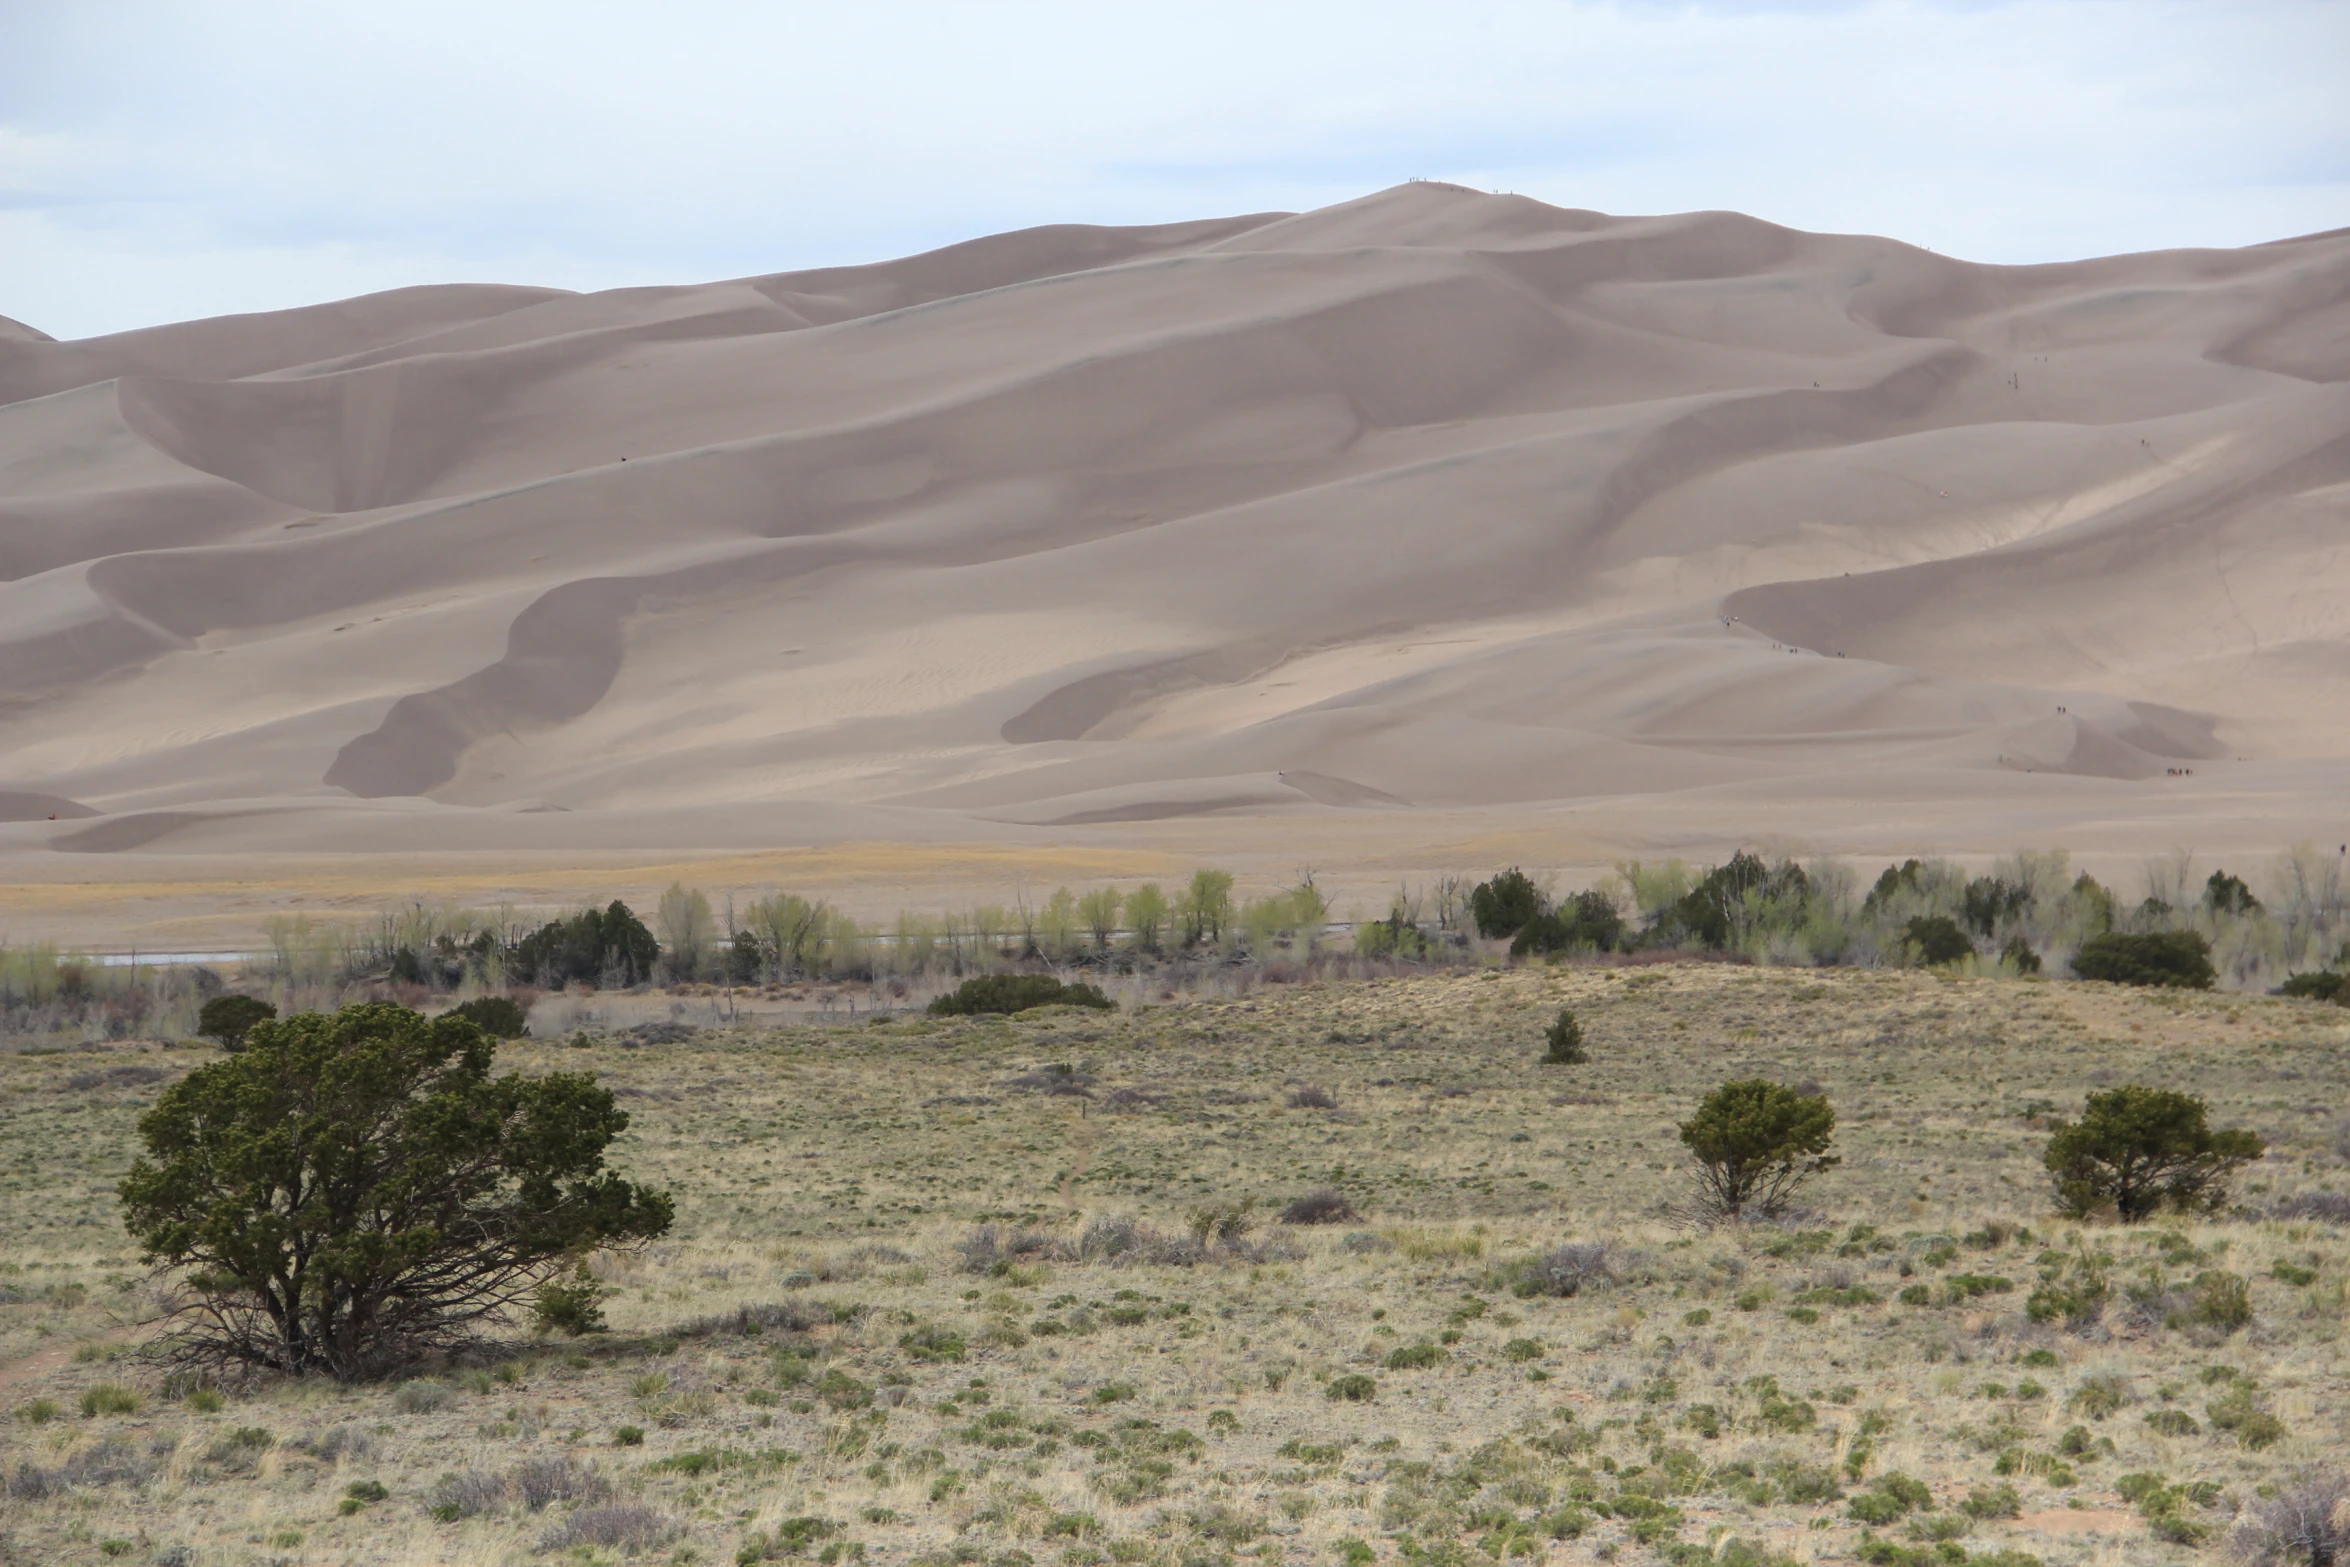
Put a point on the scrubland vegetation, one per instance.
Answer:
(1336, 1272)
(2285, 930)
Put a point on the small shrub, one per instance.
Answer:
(626, 1526)
(2172, 1422)
(1413, 1357)
(109, 1398)
(2320, 985)
(1353, 1388)
(2323, 1207)
(1563, 1271)
(1996, 1501)
(2099, 1396)
(359, 1495)
(38, 1411)
(1563, 1041)
(1322, 1207)
(2171, 959)
(2019, 956)
(629, 1436)
(556, 1478)
(228, 1019)
(572, 1307)
(1008, 993)
(933, 1344)
(467, 1494)
(1522, 1350)
(2239, 1415)
(497, 1016)
(423, 1398)
(2219, 1300)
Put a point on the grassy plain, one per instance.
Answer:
(1757, 1385)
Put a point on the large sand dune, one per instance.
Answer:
(1399, 521)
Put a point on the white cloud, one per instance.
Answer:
(170, 160)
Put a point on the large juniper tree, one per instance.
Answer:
(355, 1189)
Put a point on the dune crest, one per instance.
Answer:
(1431, 502)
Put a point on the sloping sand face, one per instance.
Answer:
(1432, 522)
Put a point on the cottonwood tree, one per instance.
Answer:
(688, 929)
(1205, 907)
(355, 1190)
(1755, 1142)
(1146, 915)
(791, 930)
(1098, 910)
(2137, 1149)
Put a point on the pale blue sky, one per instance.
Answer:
(162, 161)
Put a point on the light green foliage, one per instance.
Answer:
(1146, 916)
(1056, 924)
(1205, 909)
(1098, 912)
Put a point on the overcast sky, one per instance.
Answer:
(165, 161)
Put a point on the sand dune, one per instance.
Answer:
(1401, 520)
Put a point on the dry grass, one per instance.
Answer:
(833, 1173)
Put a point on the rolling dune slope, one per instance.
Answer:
(1434, 504)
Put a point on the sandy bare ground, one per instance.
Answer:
(1432, 525)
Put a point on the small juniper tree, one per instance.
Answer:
(2138, 1149)
(1755, 1142)
(2169, 959)
(1506, 905)
(1935, 939)
(1564, 1038)
(500, 1017)
(354, 1190)
(231, 1017)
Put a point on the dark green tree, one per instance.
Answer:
(1004, 993)
(2225, 894)
(1563, 1041)
(2318, 985)
(354, 1190)
(1908, 875)
(2138, 1149)
(2095, 901)
(1755, 1142)
(2173, 959)
(500, 1017)
(1505, 905)
(1586, 922)
(608, 946)
(1936, 939)
(231, 1017)
(1988, 900)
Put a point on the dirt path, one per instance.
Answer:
(26, 1370)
